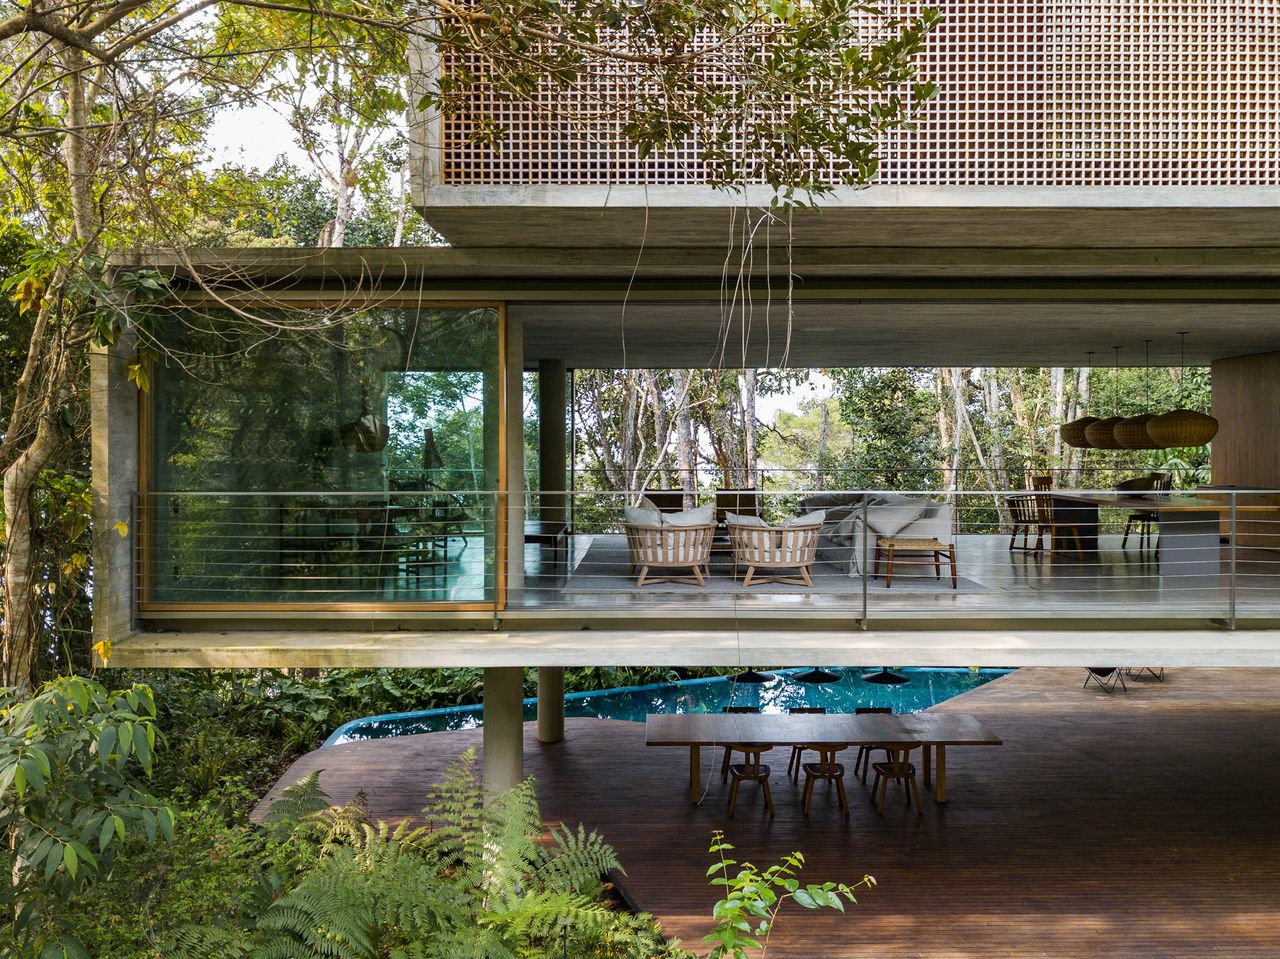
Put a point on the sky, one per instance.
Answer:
(255, 136)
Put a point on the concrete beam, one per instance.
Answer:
(503, 728)
(550, 704)
(639, 645)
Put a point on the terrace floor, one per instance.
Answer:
(1113, 583)
(1144, 824)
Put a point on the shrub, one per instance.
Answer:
(74, 759)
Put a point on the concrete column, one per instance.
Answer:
(503, 728)
(550, 704)
(552, 430)
(116, 455)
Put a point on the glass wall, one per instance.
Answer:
(324, 455)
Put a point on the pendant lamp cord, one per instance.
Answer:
(1182, 382)
(1146, 378)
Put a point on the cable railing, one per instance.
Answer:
(852, 556)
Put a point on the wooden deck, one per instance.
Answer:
(1132, 825)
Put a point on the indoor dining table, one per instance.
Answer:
(933, 731)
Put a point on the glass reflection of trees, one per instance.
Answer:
(312, 403)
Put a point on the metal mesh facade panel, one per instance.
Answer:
(1080, 93)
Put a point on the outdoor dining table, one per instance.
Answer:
(933, 731)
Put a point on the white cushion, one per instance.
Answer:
(641, 516)
(702, 516)
(891, 518)
(743, 519)
(808, 519)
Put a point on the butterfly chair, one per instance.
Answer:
(1155, 672)
(1105, 677)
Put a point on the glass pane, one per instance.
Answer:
(345, 457)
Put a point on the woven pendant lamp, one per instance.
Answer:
(1131, 432)
(1182, 427)
(1102, 434)
(1073, 433)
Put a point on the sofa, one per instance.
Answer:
(842, 540)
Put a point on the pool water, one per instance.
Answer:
(927, 687)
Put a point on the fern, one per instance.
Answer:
(474, 881)
(298, 802)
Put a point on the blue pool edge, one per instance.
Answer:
(342, 730)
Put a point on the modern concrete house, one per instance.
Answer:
(1091, 175)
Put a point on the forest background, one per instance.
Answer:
(106, 112)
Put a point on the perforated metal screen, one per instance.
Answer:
(1081, 93)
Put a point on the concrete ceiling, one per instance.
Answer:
(693, 217)
(700, 334)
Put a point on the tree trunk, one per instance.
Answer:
(402, 209)
(750, 455)
(1058, 387)
(824, 435)
(21, 605)
(685, 450)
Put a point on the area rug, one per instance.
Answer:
(606, 568)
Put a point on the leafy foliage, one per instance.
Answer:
(745, 916)
(73, 764)
(475, 880)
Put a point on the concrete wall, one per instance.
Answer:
(115, 467)
(1246, 403)
(1246, 451)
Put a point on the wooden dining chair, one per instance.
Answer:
(897, 768)
(797, 752)
(750, 770)
(1144, 520)
(1025, 519)
(1048, 521)
(728, 750)
(863, 759)
(825, 769)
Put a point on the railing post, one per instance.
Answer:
(500, 562)
(866, 532)
(1231, 565)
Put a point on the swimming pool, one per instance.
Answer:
(927, 687)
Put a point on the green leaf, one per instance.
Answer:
(106, 744)
(104, 834)
(803, 898)
(71, 859)
(52, 863)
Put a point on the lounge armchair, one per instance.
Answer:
(670, 547)
(787, 552)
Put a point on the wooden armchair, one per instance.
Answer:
(775, 548)
(670, 547)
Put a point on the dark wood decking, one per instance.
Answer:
(1136, 825)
